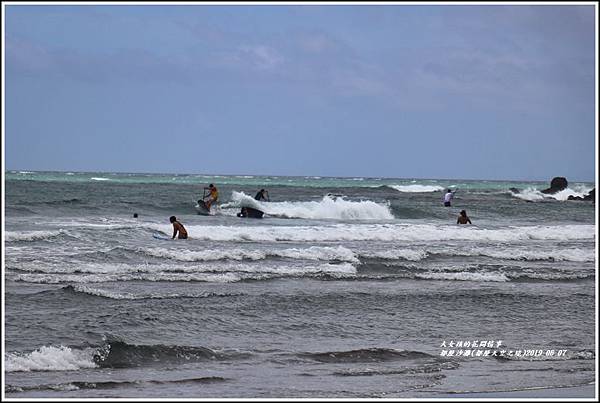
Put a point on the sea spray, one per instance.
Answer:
(327, 208)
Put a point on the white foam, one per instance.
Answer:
(103, 293)
(13, 236)
(394, 254)
(534, 194)
(384, 232)
(327, 208)
(312, 253)
(222, 272)
(128, 296)
(100, 179)
(416, 188)
(48, 358)
(464, 276)
(572, 255)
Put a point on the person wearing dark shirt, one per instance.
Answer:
(261, 195)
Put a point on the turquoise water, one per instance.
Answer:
(258, 180)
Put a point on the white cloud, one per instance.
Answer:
(262, 57)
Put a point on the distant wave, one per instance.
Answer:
(15, 236)
(99, 179)
(80, 277)
(533, 254)
(78, 385)
(365, 355)
(128, 296)
(427, 368)
(223, 273)
(416, 188)
(327, 208)
(338, 253)
(396, 254)
(479, 273)
(463, 276)
(535, 195)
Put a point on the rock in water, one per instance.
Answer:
(591, 196)
(556, 185)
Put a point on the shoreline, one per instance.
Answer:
(581, 391)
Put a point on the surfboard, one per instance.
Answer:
(250, 212)
(161, 237)
(201, 208)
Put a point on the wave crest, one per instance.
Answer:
(14, 236)
(535, 195)
(49, 358)
(416, 188)
(337, 208)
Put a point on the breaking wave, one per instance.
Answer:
(214, 273)
(338, 253)
(49, 358)
(384, 232)
(534, 195)
(81, 289)
(416, 188)
(533, 254)
(14, 236)
(114, 353)
(327, 208)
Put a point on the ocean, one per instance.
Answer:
(347, 288)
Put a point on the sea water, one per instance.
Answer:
(347, 288)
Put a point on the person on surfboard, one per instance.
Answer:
(212, 197)
(178, 227)
(261, 195)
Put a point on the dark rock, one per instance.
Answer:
(556, 185)
(589, 197)
(514, 190)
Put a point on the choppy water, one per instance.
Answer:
(347, 288)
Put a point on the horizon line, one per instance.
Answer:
(293, 176)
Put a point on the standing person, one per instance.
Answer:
(212, 197)
(261, 195)
(448, 198)
(178, 227)
(463, 219)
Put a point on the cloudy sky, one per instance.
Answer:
(422, 91)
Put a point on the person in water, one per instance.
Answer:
(463, 219)
(448, 198)
(212, 197)
(261, 195)
(178, 227)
